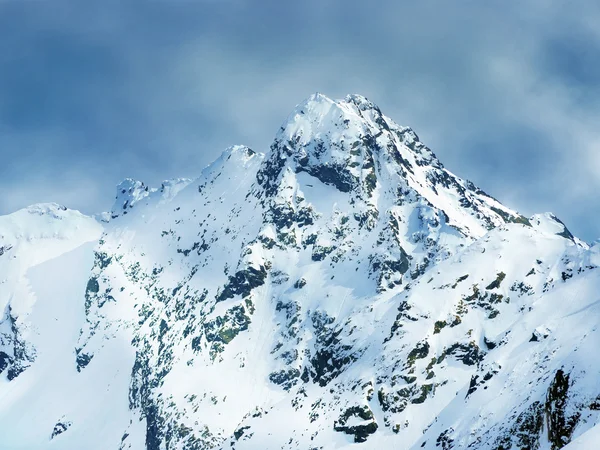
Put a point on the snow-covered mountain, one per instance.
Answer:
(342, 289)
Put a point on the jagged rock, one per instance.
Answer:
(360, 431)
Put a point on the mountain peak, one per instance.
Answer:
(330, 131)
(351, 145)
(345, 287)
(320, 123)
(319, 113)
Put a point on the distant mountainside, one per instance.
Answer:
(341, 290)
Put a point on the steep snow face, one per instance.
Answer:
(341, 289)
(28, 238)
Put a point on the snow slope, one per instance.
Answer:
(341, 290)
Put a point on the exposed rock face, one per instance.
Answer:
(343, 288)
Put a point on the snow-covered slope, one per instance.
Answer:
(343, 289)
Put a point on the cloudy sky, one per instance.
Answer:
(505, 92)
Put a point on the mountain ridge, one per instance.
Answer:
(341, 288)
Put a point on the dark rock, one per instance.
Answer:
(565, 233)
(444, 441)
(420, 351)
(225, 328)
(438, 326)
(470, 354)
(5, 360)
(243, 282)
(525, 431)
(331, 356)
(285, 378)
(463, 278)
(559, 422)
(320, 253)
(360, 432)
(60, 428)
(299, 284)
(496, 283)
(237, 434)
(82, 359)
(489, 344)
(472, 385)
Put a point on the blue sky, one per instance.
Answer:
(505, 92)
